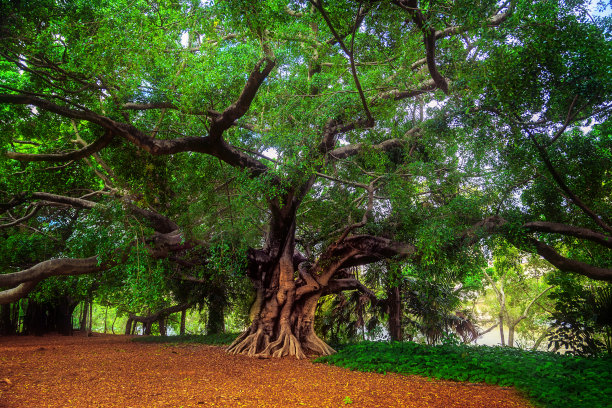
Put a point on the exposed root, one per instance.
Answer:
(317, 346)
(286, 345)
(249, 343)
(258, 345)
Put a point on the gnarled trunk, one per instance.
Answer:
(283, 327)
(283, 319)
(288, 287)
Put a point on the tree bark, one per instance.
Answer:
(215, 324)
(183, 318)
(395, 313)
(83, 319)
(128, 326)
(90, 326)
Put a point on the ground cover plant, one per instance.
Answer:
(550, 380)
(218, 339)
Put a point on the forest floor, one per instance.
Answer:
(112, 371)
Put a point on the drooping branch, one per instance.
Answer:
(559, 180)
(569, 265)
(22, 282)
(161, 314)
(92, 148)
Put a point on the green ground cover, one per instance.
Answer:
(222, 339)
(549, 380)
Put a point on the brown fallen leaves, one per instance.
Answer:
(110, 371)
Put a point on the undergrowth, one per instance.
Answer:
(550, 380)
(212, 339)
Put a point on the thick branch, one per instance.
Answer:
(94, 147)
(339, 285)
(351, 150)
(242, 104)
(59, 199)
(51, 267)
(81, 114)
(368, 249)
(396, 94)
(213, 144)
(429, 39)
(16, 293)
(493, 21)
(569, 265)
(578, 232)
(147, 106)
(349, 52)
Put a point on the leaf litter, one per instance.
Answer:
(112, 371)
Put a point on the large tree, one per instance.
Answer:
(310, 119)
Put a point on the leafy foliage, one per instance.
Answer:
(581, 320)
(549, 379)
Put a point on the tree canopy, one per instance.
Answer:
(291, 141)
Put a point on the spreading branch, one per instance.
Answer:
(88, 150)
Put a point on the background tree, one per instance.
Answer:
(519, 286)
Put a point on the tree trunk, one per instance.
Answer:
(105, 317)
(183, 318)
(281, 325)
(7, 324)
(128, 326)
(284, 311)
(501, 328)
(162, 326)
(215, 323)
(511, 328)
(89, 328)
(282, 329)
(146, 327)
(84, 309)
(395, 314)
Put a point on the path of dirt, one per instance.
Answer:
(111, 371)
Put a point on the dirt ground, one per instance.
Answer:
(111, 371)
